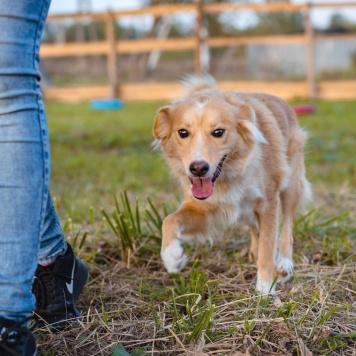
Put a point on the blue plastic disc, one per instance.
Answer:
(106, 104)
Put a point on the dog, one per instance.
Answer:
(239, 157)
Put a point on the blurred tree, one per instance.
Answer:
(339, 23)
(268, 23)
(278, 23)
(211, 21)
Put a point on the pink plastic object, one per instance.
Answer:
(304, 109)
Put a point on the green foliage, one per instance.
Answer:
(120, 351)
(332, 237)
(91, 31)
(340, 23)
(191, 307)
(137, 232)
(277, 23)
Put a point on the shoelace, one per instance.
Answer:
(12, 336)
(44, 286)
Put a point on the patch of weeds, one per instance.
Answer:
(191, 306)
(138, 230)
(188, 305)
(331, 238)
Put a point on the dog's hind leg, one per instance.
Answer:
(284, 263)
(297, 192)
(268, 224)
(254, 243)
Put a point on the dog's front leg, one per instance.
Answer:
(172, 252)
(268, 222)
(186, 222)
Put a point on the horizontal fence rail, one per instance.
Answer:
(113, 47)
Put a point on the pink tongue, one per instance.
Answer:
(202, 188)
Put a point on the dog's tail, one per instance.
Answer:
(298, 193)
(194, 83)
(295, 149)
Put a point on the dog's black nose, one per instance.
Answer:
(199, 168)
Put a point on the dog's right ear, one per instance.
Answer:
(162, 124)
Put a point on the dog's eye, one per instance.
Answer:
(218, 132)
(183, 133)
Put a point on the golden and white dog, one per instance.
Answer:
(238, 156)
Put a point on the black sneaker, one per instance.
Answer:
(15, 339)
(56, 288)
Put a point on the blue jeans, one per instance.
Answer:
(30, 232)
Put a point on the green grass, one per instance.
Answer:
(112, 193)
(330, 153)
(97, 154)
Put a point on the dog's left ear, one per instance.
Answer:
(246, 125)
(162, 125)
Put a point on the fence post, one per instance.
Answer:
(199, 39)
(310, 52)
(111, 59)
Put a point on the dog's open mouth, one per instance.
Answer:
(202, 188)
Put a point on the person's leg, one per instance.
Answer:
(52, 240)
(60, 275)
(24, 154)
(30, 231)
(24, 168)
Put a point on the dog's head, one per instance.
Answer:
(206, 138)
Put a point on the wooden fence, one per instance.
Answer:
(114, 47)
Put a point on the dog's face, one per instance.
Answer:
(202, 139)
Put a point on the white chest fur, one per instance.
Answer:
(237, 204)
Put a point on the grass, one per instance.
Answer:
(112, 192)
(330, 152)
(96, 154)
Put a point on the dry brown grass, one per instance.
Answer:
(146, 311)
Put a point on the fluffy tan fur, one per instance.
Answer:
(260, 155)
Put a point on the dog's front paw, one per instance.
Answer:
(284, 269)
(264, 287)
(173, 257)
